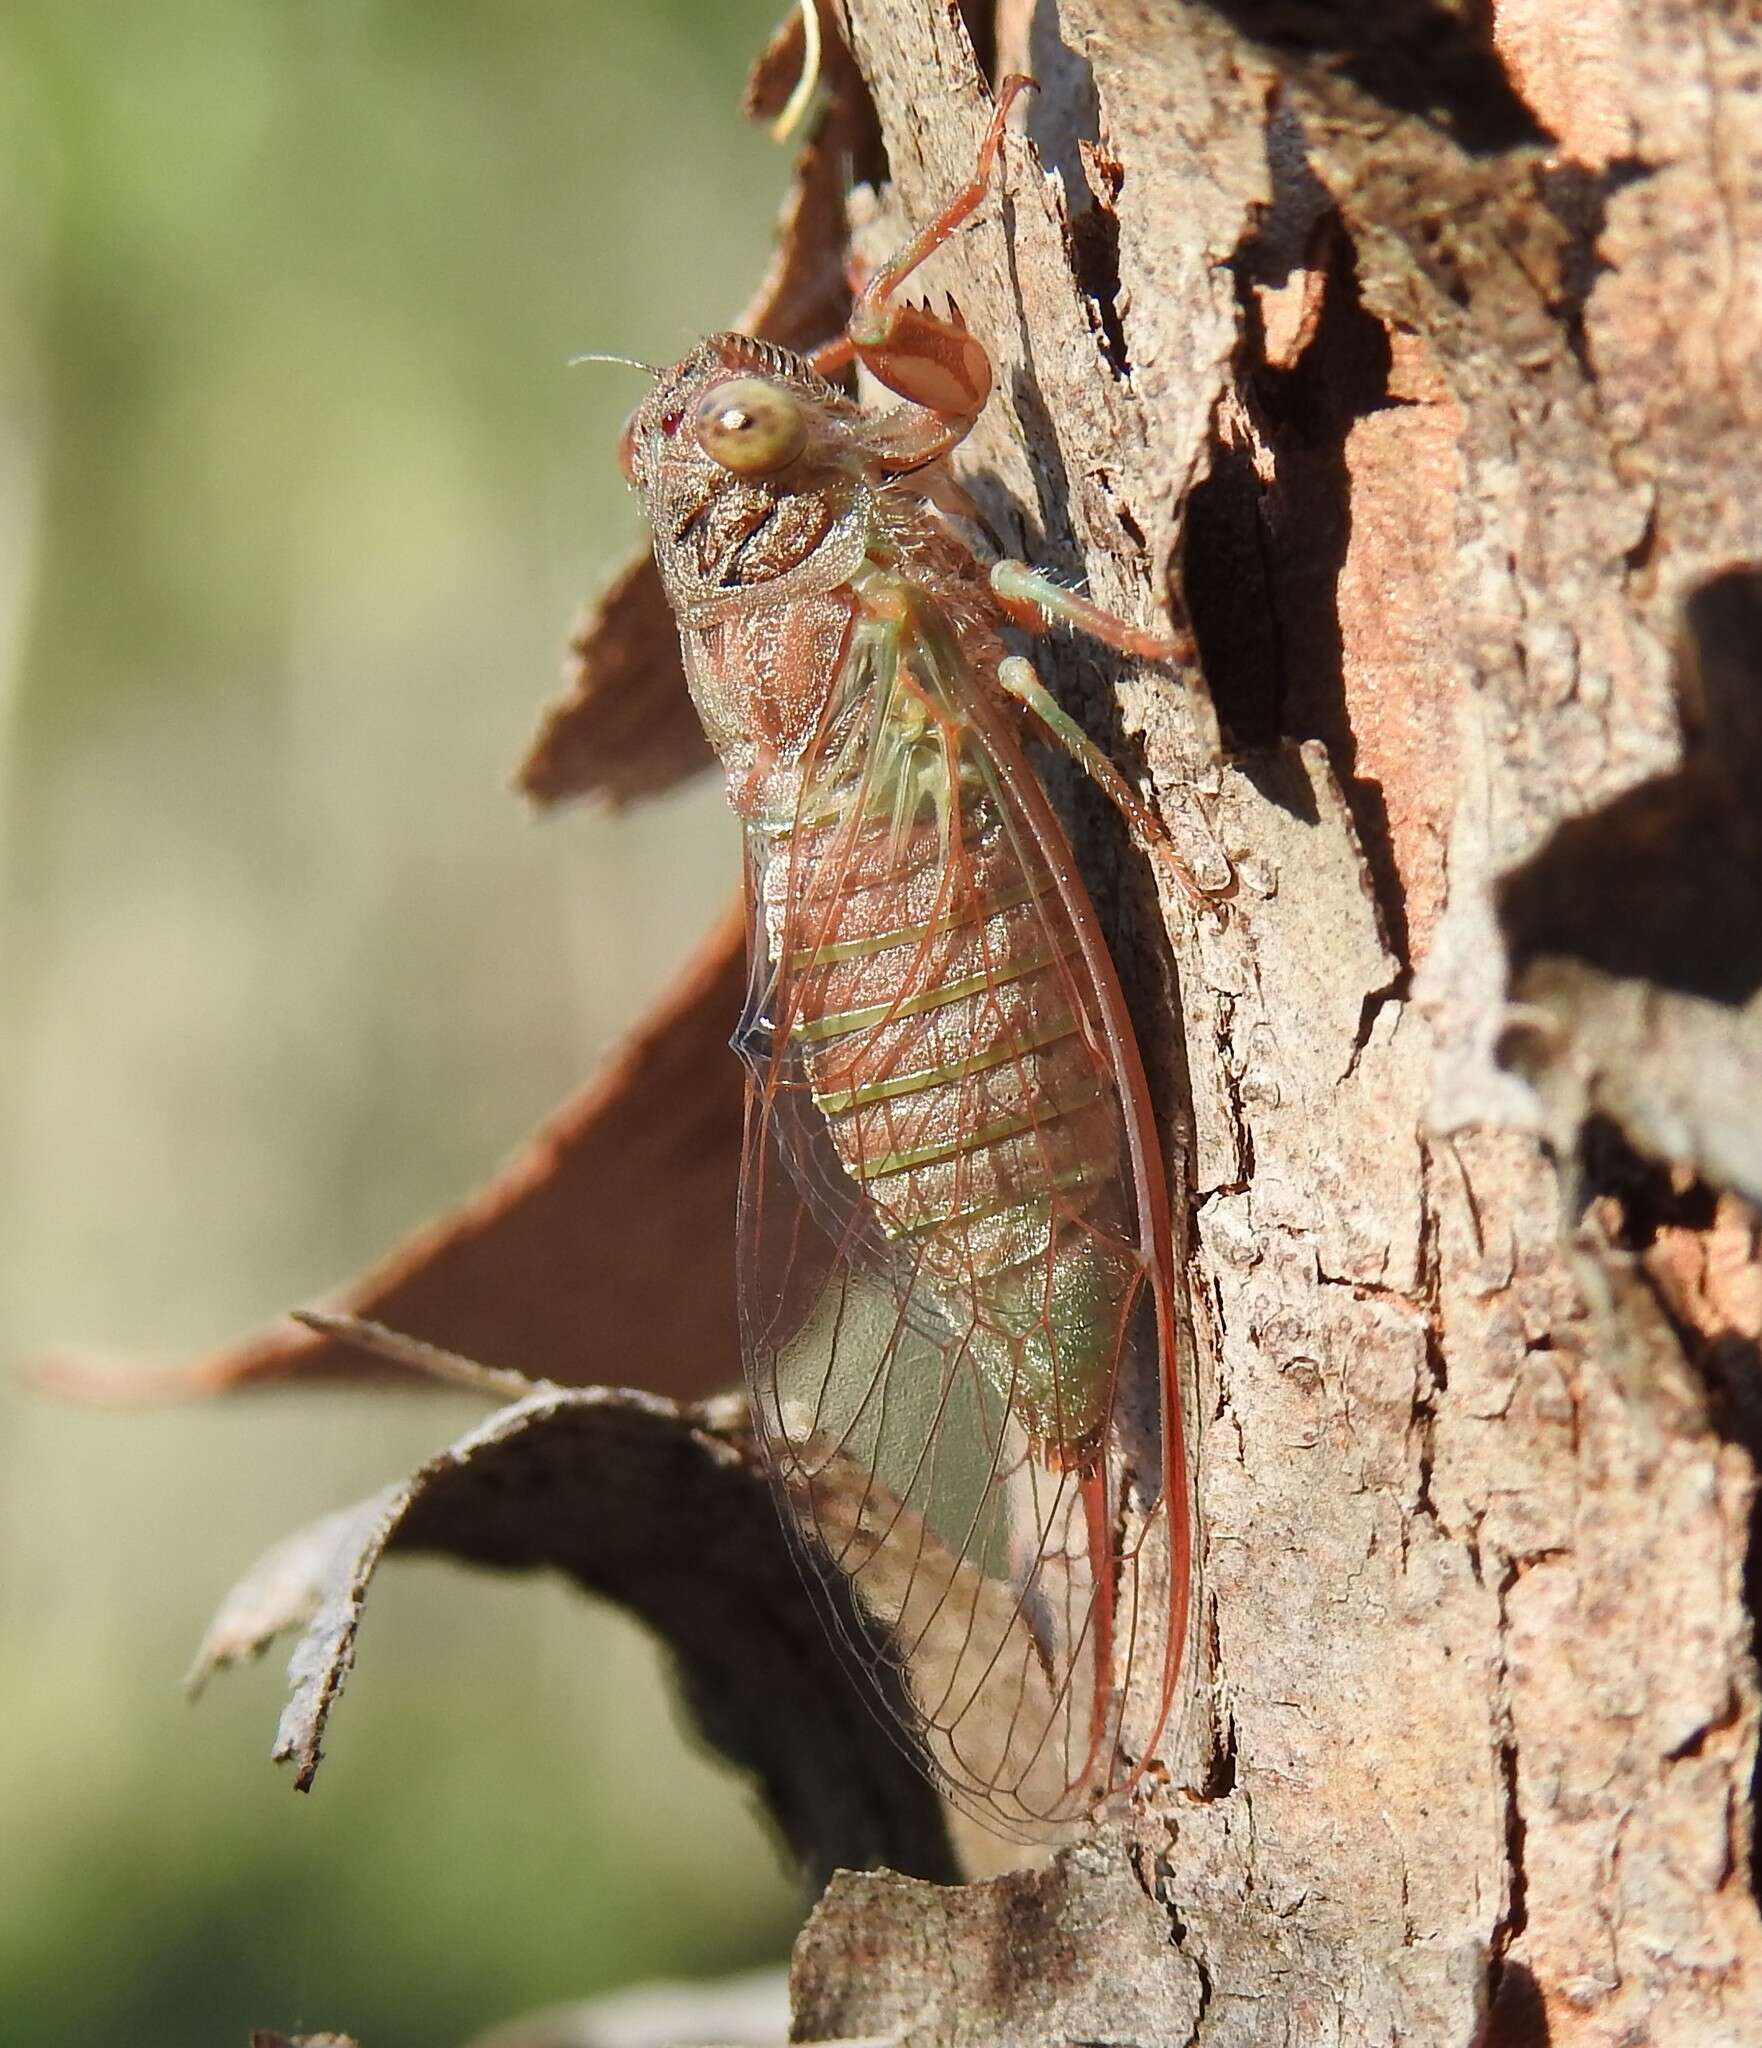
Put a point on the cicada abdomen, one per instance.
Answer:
(956, 1270)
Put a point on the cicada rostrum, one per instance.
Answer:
(956, 1274)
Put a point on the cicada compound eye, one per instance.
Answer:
(750, 426)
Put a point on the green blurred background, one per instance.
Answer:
(297, 499)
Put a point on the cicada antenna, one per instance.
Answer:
(629, 362)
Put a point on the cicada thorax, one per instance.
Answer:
(937, 999)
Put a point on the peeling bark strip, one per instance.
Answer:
(566, 1266)
(624, 727)
(665, 1511)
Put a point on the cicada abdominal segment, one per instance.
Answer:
(956, 1272)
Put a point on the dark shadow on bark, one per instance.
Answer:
(1578, 198)
(1519, 2016)
(1415, 56)
(1263, 558)
(1664, 884)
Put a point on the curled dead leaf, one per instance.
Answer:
(666, 1511)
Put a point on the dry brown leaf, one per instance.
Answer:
(624, 727)
(777, 68)
(803, 297)
(604, 1251)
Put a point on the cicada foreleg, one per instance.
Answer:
(932, 360)
(1033, 601)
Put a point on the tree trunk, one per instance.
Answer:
(1417, 356)
(1412, 350)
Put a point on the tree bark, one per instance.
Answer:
(1412, 350)
(1416, 355)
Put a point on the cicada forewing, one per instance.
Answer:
(954, 1246)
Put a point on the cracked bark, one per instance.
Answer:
(1412, 350)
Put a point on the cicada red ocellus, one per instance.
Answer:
(956, 1274)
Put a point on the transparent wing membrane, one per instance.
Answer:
(954, 1258)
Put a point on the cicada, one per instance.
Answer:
(955, 1264)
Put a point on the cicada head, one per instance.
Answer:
(752, 474)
